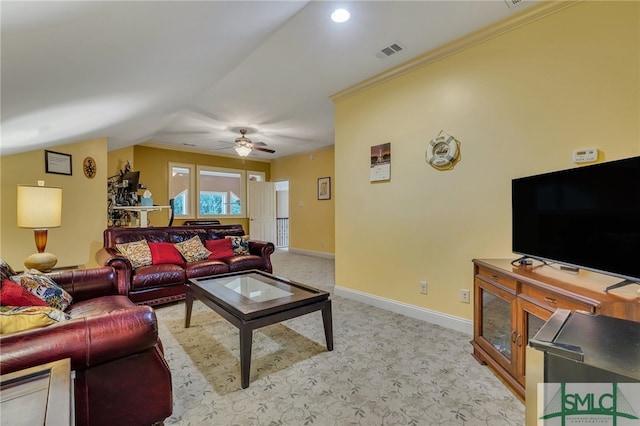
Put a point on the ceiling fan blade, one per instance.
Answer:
(257, 148)
(259, 143)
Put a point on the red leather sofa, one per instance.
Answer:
(164, 283)
(121, 376)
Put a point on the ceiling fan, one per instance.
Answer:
(244, 146)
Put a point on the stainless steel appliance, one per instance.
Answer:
(581, 347)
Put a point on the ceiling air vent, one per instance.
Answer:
(511, 3)
(389, 50)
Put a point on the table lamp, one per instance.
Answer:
(40, 208)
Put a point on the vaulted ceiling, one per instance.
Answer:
(192, 74)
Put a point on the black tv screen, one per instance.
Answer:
(131, 179)
(586, 217)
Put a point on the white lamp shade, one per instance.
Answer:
(39, 206)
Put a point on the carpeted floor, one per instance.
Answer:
(386, 369)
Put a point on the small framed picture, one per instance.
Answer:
(324, 188)
(57, 162)
(380, 170)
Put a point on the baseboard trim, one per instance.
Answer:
(427, 315)
(312, 253)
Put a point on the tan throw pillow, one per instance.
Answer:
(240, 245)
(137, 252)
(14, 319)
(192, 249)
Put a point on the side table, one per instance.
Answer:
(41, 395)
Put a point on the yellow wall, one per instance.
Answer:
(311, 221)
(519, 103)
(153, 164)
(84, 205)
(117, 160)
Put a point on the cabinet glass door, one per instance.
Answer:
(534, 324)
(531, 318)
(496, 322)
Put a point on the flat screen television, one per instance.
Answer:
(130, 181)
(584, 217)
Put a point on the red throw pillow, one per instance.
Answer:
(13, 294)
(219, 248)
(165, 253)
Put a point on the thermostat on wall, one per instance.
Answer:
(586, 155)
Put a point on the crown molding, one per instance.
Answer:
(514, 22)
(158, 145)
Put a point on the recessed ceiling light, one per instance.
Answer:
(340, 15)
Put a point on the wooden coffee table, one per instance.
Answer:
(254, 299)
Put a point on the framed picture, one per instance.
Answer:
(324, 188)
(380, 163)
(57, 162)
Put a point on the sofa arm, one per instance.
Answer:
(85, 284)
(87, 341)
(108, 256)
(263, 249)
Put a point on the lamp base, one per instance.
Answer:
(43, 262)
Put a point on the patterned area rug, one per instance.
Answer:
(386, 369)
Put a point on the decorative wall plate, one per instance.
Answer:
(89, 167)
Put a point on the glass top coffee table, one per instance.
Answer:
(253, 299)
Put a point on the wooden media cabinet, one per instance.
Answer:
(511, 303)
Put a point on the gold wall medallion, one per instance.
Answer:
(89, 167)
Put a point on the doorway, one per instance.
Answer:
(282, 214)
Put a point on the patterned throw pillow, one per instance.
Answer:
(137, 252)
(14, 319)
(6, 271)
(44, 287)
(192, 249)
(240, 245)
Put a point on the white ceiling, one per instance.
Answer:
(183, 72)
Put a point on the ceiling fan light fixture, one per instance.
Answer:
(243, 150)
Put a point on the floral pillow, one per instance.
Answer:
(240, 245)
(192, 249)
(137, 252)
(20, 318)
(44, 287)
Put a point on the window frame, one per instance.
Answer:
(191, 189)
(260, 175)
(242, 195)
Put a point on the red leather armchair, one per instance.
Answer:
(121, 376)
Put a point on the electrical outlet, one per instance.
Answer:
(464, 296)
(423, 287)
